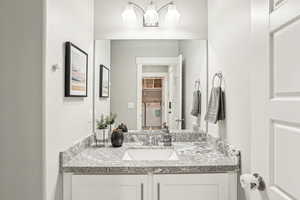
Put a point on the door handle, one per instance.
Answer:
(253, 182)
(158, 191)
(142, 191)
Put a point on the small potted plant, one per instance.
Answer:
(102, 126)
(110, 120)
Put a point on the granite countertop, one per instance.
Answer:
(193, 157)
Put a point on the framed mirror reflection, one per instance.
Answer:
(154, 83)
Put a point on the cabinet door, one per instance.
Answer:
(109, 187)
(193, 187)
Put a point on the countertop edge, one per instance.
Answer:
(153, 170)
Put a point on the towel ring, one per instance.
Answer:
(217, 75)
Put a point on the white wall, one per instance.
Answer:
(108, 20)
(123, 72)
(67, 119)
(229, 51)
(21, 53)
(155, 68)
(194, 68)
(102, 56)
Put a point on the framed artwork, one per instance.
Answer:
(76, 71)
(104, 81)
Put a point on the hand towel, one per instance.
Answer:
(196, 109)
(216, 106)
(213, 105)
(221, 113)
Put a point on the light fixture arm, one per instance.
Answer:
(150, 13)
(143, 10)
(164, 6)
(137, 6)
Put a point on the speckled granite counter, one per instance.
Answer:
(203, 156)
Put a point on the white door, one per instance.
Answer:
(276, 98)
(195, 187)
(109, 187)
(175, 95)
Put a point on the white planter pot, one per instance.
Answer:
(101, 136)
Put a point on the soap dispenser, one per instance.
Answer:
(167, 137)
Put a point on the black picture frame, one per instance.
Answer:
(104, 82)
(76, 71)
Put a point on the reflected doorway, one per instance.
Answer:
(153, 99)
(159, 92)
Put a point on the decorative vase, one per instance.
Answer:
(117, 138)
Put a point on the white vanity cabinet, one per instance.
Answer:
(106, 187)
(151, 187)
(195, 187)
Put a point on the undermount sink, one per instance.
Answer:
(150, 154)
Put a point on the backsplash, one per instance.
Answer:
(69, 153)
(177, 136)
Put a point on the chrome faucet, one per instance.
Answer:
(151, 139)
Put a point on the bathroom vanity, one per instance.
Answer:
(195, 167)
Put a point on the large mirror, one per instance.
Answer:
(152, 83)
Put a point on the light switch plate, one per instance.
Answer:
(131, 105)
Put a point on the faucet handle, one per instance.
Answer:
(147, 140)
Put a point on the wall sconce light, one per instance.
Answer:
(150, 14)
